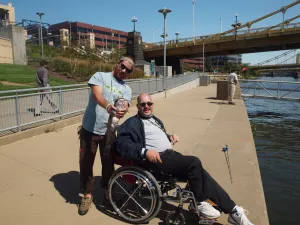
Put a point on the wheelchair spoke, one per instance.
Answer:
(130, 197)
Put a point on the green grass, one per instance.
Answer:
(23, 75)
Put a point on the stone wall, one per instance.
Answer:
(6, 53)
(17, 37)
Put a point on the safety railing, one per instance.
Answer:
(17, 107)
(279, 90)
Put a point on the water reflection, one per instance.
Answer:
(276, 131)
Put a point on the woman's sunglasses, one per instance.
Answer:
(126, 69)
(143, 104)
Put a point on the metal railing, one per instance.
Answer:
(241, 35)
(17, 106)
(279, 90)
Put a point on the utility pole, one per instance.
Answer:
(220, 25)
(40, 14)
(194, 1)
(165, 12)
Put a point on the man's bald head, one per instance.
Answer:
(142, 97)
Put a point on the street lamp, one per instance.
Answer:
(70, 32)
(40, 14)
(177, 33)
(236, 25)
(165, 11)
(194, 1)
(220, 25)
(134, 20)
(203, 58)
(112, 39)
(152, 36)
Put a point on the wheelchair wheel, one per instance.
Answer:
(172, 220)
(135, 194)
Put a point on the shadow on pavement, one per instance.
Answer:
(68, 186)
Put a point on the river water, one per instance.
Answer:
(276, 131)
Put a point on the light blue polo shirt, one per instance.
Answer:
(95, 118)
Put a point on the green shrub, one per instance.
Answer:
(60, 66)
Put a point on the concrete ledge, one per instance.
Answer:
(40, 130)
(78, 119)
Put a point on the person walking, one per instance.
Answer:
(106, 88)
(42, 79)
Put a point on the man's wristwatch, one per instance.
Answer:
(143, 152)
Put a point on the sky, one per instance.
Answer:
(117, 14)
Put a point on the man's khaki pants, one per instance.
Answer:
(231, 92)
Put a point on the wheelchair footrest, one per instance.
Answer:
(207, 221)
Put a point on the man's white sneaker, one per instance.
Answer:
(208, 211)
(238, 216)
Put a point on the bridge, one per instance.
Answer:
(283, 67)
(283, 36)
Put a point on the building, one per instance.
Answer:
(218, 61)
(7, 15)
(214, 61)
(96, 36)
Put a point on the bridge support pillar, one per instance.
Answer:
(173, 61)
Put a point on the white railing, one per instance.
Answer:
(17, 106)
(279, 90)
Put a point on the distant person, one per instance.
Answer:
(232, 82)
(106, 88)
(42, 79)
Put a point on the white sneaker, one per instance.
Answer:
(208, 211)
(238, 216)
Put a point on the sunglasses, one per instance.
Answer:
(143, 104)
(123, 67)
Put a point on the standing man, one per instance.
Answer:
(42, 79)
(232, 82)
(106, 88)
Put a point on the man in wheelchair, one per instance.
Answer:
(143, 137)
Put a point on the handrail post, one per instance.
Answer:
(60, 103)
(17, 112)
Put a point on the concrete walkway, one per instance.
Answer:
(40, 178)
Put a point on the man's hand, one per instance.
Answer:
(153, 156)
(174, 138)
(119, 113)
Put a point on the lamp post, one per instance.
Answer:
(177, 33)
(165, 11)
(40, 14)
(70, 33)
(194, 1)
(220, 25)
(236, 25)
(134, 20)
(112, 39)
(152, 36)
(203, 59)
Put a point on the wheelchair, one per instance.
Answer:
(136, 195)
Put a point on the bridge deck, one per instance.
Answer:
(40, 179)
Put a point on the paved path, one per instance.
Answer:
(40, 180)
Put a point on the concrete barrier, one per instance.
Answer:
(6, 53)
